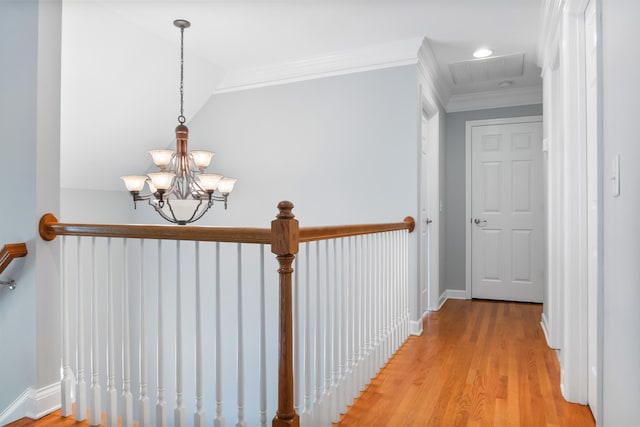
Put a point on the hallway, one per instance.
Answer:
(477, 363)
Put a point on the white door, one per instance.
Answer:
(507, 212)
(592, 195)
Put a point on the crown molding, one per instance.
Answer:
(495, 99)
(401, 52)
(430, 73)
(550, 21)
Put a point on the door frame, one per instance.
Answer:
(430, 190)
(469, 127)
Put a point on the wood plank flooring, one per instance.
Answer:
(477, 363)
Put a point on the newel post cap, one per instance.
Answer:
(284, 231)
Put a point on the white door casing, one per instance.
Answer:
(591, 77)
(429, 205)
(425, 220)
(507, 209)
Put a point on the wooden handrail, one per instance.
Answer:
(50, 228)
(11, 251)
(310, 234)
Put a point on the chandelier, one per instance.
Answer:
(181, 192)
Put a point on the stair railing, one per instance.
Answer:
(355, 309)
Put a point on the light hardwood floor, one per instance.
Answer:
(477, 363)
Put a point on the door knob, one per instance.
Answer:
(428, 221)
(479, 221)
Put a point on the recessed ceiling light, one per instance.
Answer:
(482, 53)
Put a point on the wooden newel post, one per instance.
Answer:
(284, 243)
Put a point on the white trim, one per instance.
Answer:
(16, 409)
(470, 124)
(44, 401)
(430, 73)
(33, 404)
(415, 327)
(386, 55)
(451, 294)
(495, 99)
(543, 324)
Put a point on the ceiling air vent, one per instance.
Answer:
(487, 69)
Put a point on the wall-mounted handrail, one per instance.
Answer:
(9, 252)
(284, 236)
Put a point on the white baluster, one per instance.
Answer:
(396, 291)
(387, 299)
(112, 396)
(335, 333)
(358, 315)
(66, 385)
(241, 421)
(379, 313)
(306, 415)
(81, 385)
(161, 404)
(179, 418)
(351, 328)
(263, 345)
(96, 395)
(355, 308)
(319, 333)
(219, 420)
(127, 415)
(144, 418)
(328, 334)
(406, 281)
(198, 417)
(344, 398)
(296, 337)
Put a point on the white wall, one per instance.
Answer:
(621, 287)
(455, 189)
(29, 116)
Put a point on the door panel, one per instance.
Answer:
(507, 212)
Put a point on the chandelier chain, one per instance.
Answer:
(181, 118)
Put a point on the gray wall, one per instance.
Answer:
(29, 117)
(342, 149)
(455, 177)
(620, 292)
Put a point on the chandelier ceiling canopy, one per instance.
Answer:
(181, 191)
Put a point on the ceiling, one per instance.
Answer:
(120, 60)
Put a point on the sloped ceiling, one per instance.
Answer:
(120, 60)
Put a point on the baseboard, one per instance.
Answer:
(544, 324)
(415, 327)
(33, 404)
(45, 401)
(450, 294)
(17, 409)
